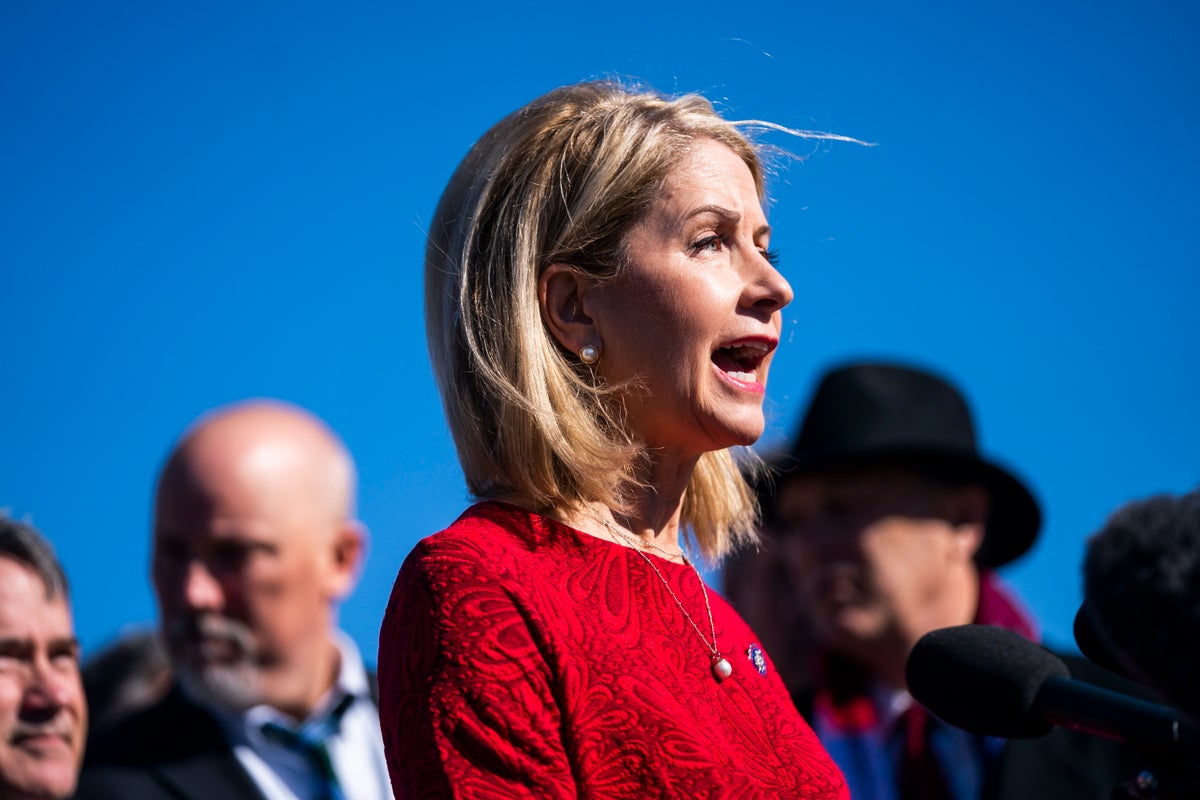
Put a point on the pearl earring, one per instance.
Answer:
(588, 354)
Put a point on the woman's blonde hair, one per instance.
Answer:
(561, 180)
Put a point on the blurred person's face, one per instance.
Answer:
(873, 553)
(43, 717)
(694, 317)
(245, 570)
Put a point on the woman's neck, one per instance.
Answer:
(650, 519)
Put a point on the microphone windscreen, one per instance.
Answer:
(983, 679)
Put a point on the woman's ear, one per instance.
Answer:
(561, 289)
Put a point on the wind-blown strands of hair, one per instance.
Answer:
(800, 133)
(773, 155)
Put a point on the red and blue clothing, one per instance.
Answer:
(863, 725)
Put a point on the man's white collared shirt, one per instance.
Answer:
(356, 750)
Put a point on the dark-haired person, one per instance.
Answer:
(886, 522)
(1144, 564)
(255, 545)
(602, 306)
(43, 716)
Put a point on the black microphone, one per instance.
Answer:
(991, 681)
(1141, 611)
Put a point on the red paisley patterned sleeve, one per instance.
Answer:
(465, 703)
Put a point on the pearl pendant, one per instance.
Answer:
(721, 669)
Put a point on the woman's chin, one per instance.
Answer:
(742, 431)
(748, 425)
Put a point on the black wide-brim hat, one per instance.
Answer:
(889, 414)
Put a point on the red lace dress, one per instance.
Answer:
(522, 658)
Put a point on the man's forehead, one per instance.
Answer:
(26, 605)
(846, 491)
(185, 502)
(192, 504)
(866, 477)
(815, 487)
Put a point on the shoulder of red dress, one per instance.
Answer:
(493, 529)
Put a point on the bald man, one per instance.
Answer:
(255, 543)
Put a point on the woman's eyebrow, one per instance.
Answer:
(727, 215)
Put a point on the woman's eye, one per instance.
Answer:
(710, 243)
(772, 256)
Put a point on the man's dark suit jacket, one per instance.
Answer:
(173, 750)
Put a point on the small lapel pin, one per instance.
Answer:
(755, 654)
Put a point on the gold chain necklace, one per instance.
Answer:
(720, 666)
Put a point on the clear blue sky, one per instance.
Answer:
(206, 202)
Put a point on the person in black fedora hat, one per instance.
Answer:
(889, 415)
(884, 521)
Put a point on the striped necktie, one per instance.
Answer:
(309, 740)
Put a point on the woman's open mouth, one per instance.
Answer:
(741, 360)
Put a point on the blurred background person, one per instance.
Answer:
(1141, 608)
(888, 523)
(128, 673)
(602, 306)
(43, 716)
(758, 583)
(255, 542)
